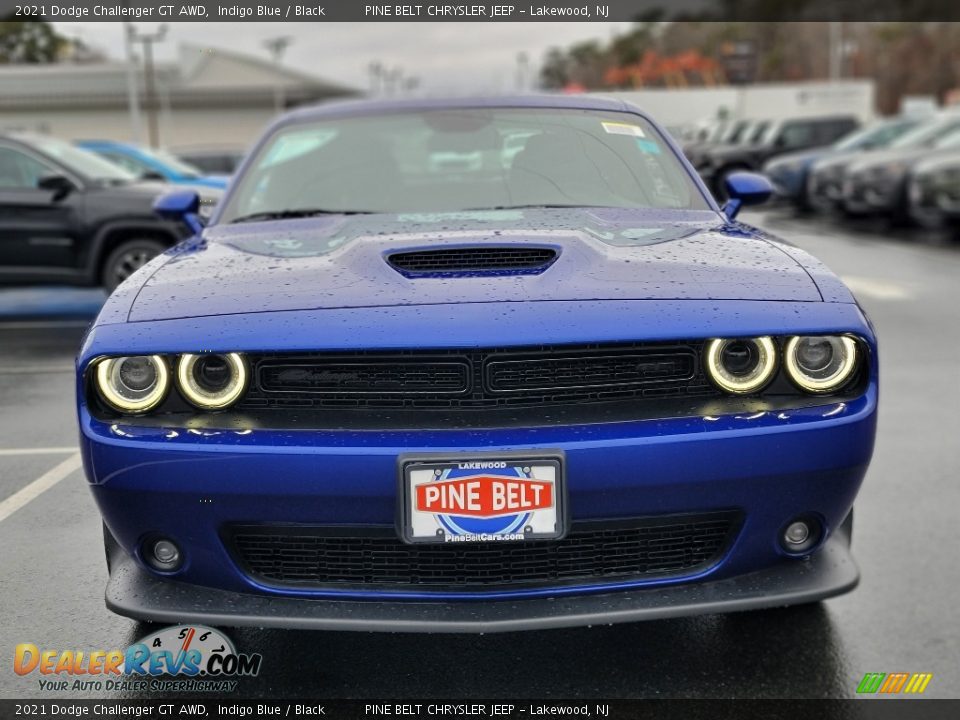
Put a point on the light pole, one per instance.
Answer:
(836, 50)
(133, 98)
(277, 47)
(147, 40)
(523, 71)
(376, 71)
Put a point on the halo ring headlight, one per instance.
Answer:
(133, 384)
(741, 366)
(212, 382)
(820, 363)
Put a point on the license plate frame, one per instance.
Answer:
(524, 476)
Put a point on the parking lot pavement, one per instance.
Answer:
(901, 618)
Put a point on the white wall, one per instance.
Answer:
(685, 106)
(219, 126)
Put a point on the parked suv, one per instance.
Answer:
(777, 138)
(67, 215)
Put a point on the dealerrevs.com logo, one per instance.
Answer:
(190, 658)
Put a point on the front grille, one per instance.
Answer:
(377, 377)
(471, 260)
(480, 379)
(324, 557)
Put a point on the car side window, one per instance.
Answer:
(831, 130)
(126, 162)
(795, 135)
(19, 171)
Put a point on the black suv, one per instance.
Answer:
(68, 216)
(770, 138)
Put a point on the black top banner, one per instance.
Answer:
(503, 11)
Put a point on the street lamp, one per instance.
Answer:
(277, 47)
(147, 40)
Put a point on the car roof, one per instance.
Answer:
(381, 106)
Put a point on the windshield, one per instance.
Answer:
(927, 134)
(876, 136)
(718, 132)
(82, 162)
(758, 132)
(463, 159)
(738, 131)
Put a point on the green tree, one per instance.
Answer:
(30, 42)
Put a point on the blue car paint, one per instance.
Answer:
(233, 290)
(170, 174)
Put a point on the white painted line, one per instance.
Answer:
(6, 452)
(874, 288)
(36, 369)
(39, 486)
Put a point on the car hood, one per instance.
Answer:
(142, 190)
(341, 262)
(903, 156)
(723, 152)
(950, 161)
(796, 158)
(216, 182)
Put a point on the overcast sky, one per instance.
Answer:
(446, 57)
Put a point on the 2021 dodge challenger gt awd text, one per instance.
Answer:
(475, 365)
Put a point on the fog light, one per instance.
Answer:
(801, 535)
(163, 555)
(796, 533)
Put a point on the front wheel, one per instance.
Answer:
(128, 257)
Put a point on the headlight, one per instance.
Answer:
(212, 382)
(133, 384)
(741, 366)
(820, 364)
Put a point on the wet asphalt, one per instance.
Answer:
(903, 616)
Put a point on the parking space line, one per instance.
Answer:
(5, 452)
(39, 486)
(36, 369)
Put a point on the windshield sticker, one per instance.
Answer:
(615, 128)
(648, 146)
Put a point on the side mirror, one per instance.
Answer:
(152, 175)
(743, 189)
(59, 185)
(180, 206)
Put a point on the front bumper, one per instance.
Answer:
(189, 486)
(864, 195)
(134, 593)
(933, 204)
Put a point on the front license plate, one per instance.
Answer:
(486, 498)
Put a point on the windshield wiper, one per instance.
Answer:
(301, 213)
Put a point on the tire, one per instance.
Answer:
(126, 258)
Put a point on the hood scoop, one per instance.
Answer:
(478, 260)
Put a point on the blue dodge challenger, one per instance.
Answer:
(470, 366)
